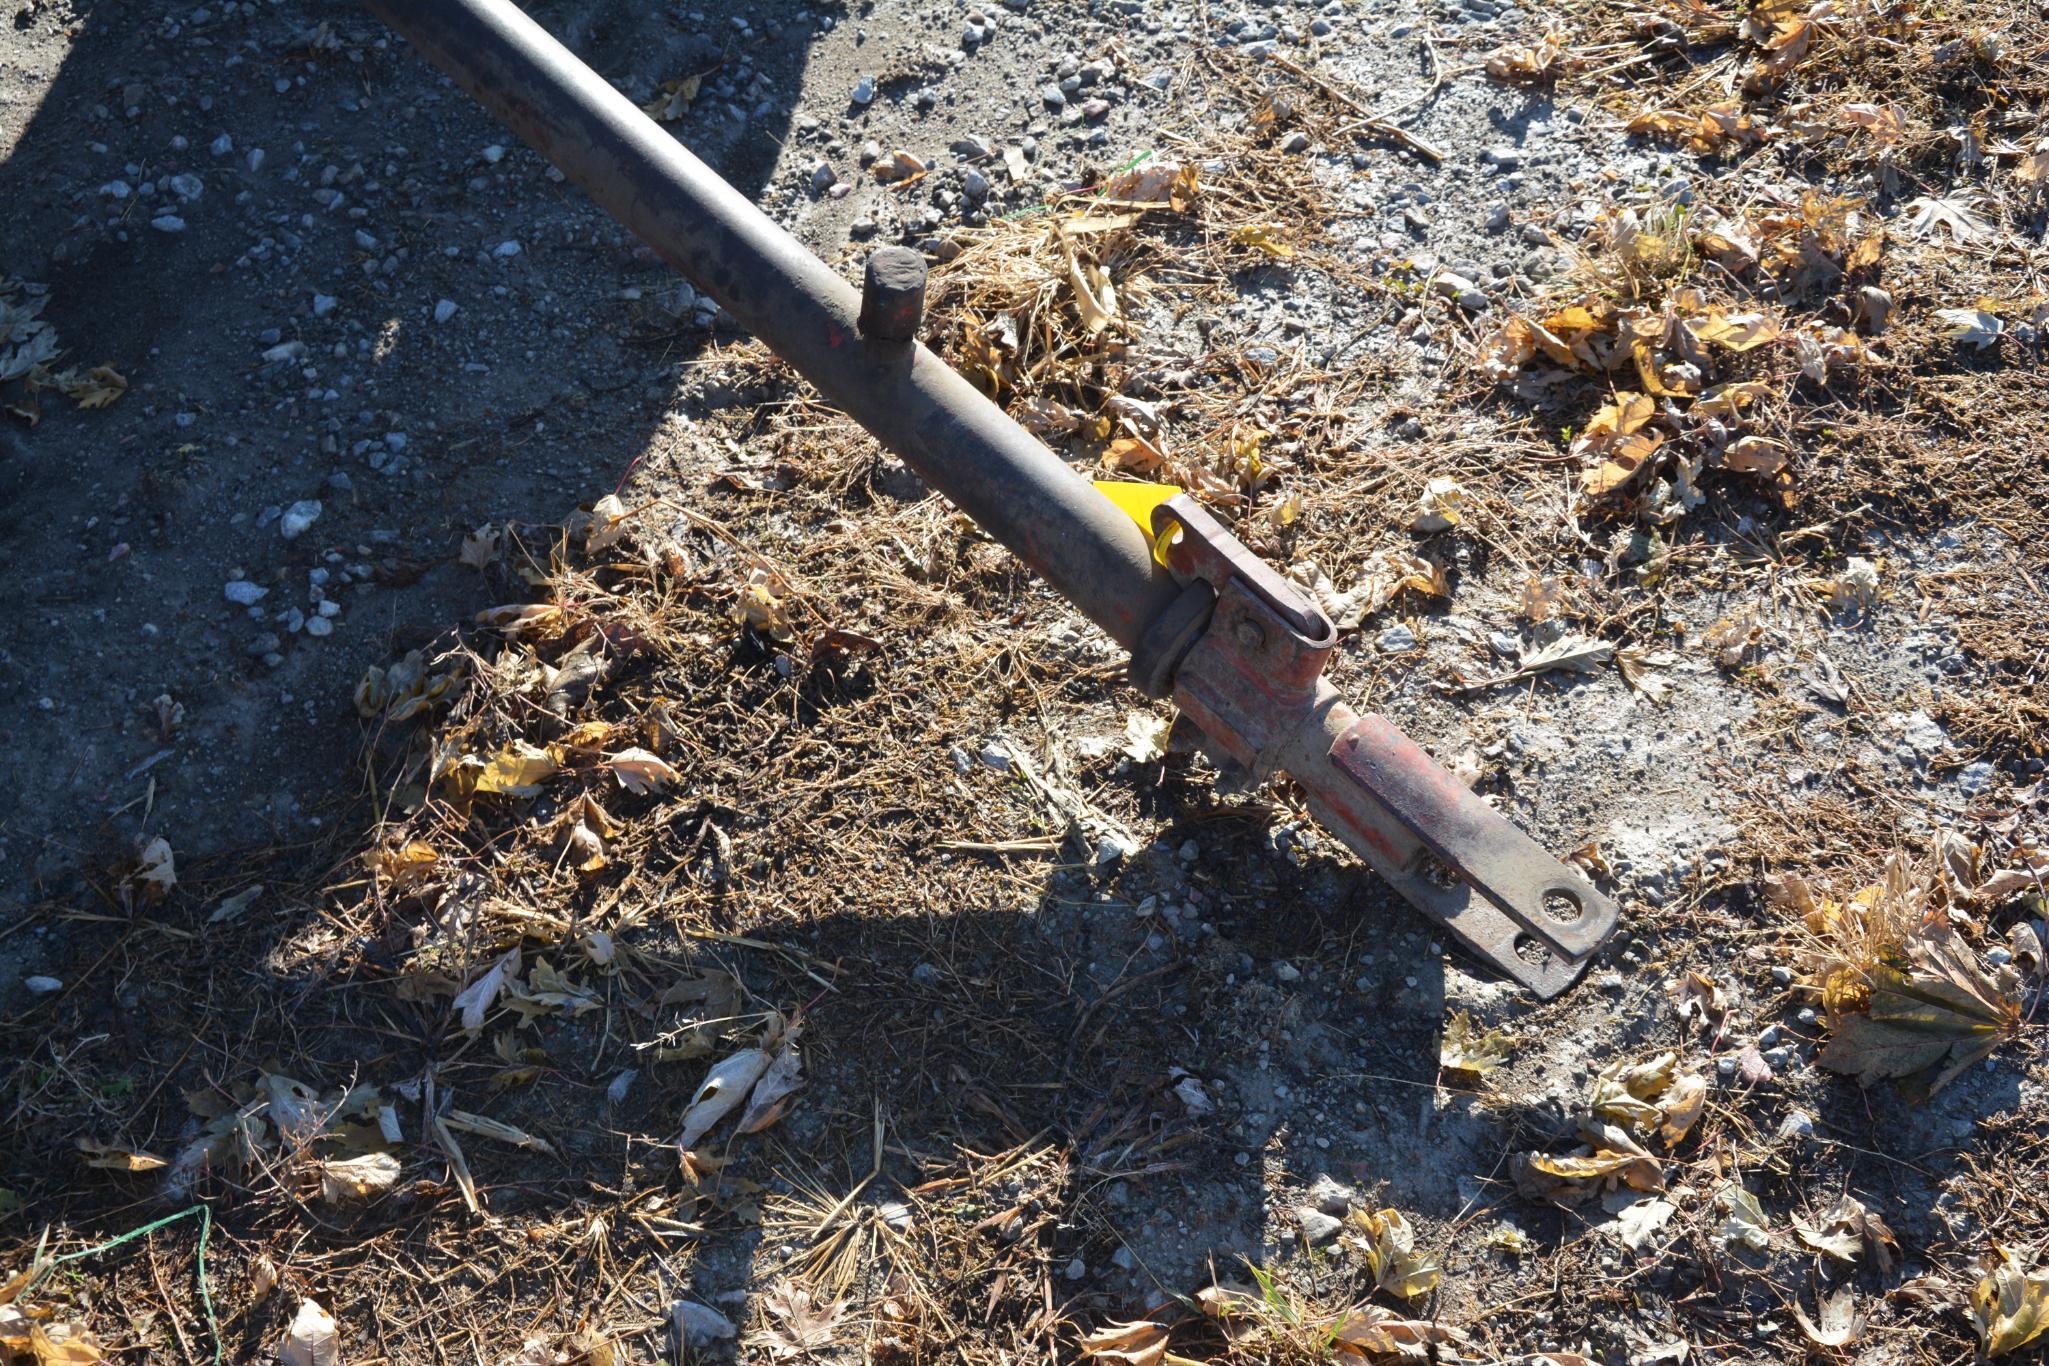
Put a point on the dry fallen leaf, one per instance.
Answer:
(771, 1094)
(1615, 442)
(1847, 1229)
(156, 873)
(640, 772)
(481, 548)
(1437, 508)
(514, 619)
(1926, 1028)
(1140, 1342)
(1956, 216)
(673, 99)
(116, 1158)
(758, 605)
(518, 770)
(1265, 236)
(60, 1344)
(1465, 1049)
(802, 1325)
(1856, 588)
(475, 1000)
(1381, 1334)
(1756, 455)
(95, 389)
(1971, 326)
(1095, 295)
(1636, 1222)
(1145, 737)
(312, 1340)
(352, 1180)
(1837, 1321)
(2010, 1305)
(1156, 182)
(1736, 331)
(1745, 1224)
(1389, 1246)
(720, 1093)
(1639, 667)
(1579, 654)
(1541, 600)
(1528, 63)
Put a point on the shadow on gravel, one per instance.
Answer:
(253, 213)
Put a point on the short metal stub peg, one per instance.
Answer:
(893, 295)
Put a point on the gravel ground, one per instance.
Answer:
(356, 321)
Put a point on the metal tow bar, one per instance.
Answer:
(1236, 646)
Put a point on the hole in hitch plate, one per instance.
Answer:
(1562, 906)
(1532, 951)
(1432, 868)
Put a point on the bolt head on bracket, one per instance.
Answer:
(893, 295)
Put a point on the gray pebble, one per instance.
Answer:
(298, 517)
(1318, 1228)
(1330, 1197)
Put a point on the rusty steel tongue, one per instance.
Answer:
(1250, 676)
(1235, 645)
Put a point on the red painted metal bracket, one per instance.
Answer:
(1252, 681)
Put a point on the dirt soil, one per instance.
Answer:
(1085, 1040)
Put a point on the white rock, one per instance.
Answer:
(187, 186)
(323, 304)
(864, 90)
(244, 592)
(222, 145)
(494, 154)
(117, 189)
(167, 222)
(254, 160)
(319, 626)
(296, 518)
(1450, 285)
(42, 986)
(444, 310)
(284, 351)
(1113, 847)
(506, 248)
